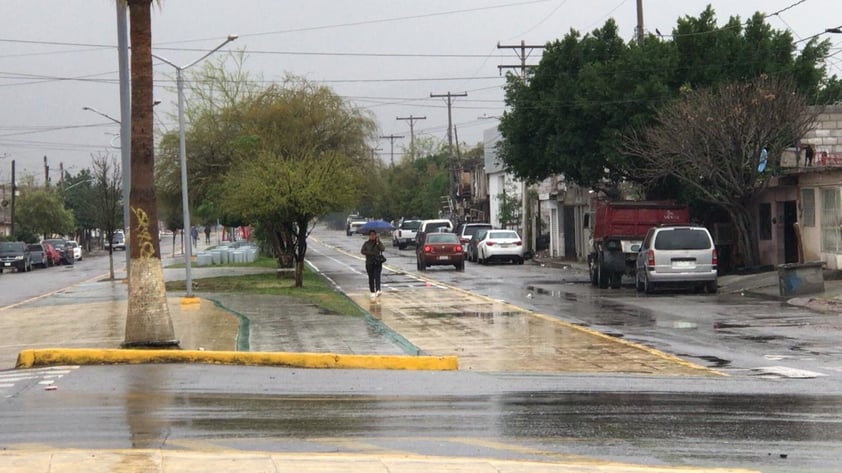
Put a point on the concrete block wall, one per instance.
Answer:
(826, 136)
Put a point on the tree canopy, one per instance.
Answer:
(570, 115)
(277, 158)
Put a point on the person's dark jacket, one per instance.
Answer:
(371, 249)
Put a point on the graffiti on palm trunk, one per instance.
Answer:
(144, 238)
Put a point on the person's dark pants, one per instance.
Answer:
(373, 270)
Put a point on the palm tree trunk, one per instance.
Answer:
(148, 323)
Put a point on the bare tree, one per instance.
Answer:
(107, 178)
(711, 141)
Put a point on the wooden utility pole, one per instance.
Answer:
(14, 191)
(411, 120)
(454, 167)
(521, 52)
(392, 139)
(640, 22)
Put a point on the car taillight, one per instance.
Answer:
(428, 249)
(457, 248)
(650, 258)
(714, 259)
(518, 243)
(489, 243)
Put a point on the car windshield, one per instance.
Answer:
(411, 225)
(682, 239)
(443, 238)
(36, 248)
(11, 246)
(502, 235)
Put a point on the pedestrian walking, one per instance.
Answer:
(207, 234)
(373, 250)
(195, 234)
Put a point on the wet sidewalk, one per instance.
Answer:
(155, 461)
(491, 336)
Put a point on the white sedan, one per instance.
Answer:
(500, 245)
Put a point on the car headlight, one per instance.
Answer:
(18, 257)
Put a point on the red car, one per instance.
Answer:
(440, 248)
(52, 254)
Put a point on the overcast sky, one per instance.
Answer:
(387, 56)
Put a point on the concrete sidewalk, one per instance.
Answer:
(161, 461)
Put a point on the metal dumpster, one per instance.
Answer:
(796, 279)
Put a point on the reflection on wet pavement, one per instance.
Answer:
(490, 335)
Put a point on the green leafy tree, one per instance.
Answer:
(79, 198)
(571, 114)
(277, 157)
(41, 211)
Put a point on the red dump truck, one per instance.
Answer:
(618, 231)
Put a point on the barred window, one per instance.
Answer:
(808, 207)
(831, 230)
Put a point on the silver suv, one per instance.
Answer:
(676, 256)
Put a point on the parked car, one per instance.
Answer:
(60, 244)
(500, 245)
(406, 233)
(677, 256)
(440, 248)
(466, 230)
(77, 250)
(39, 256)
(53, 255)
(118, 241)
(15, 254)
(471, 254)
(433, 225)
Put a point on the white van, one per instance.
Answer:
(430, 226)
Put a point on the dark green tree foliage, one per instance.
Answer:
(413, 188)
(572, 113)
(42, 212)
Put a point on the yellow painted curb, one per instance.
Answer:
(190, 301)
(92, 356)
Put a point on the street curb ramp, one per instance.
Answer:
(83, 356)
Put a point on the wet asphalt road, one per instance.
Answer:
(738, 335)
(752, 419)
(639, 420)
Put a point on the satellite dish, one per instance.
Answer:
(763, 158)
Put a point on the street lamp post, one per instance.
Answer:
(182, 154)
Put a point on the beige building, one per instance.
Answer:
(806, 200)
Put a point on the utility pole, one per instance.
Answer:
(14, 191)
(411, 120)
(392, 139)
(374, 151)
(640, 22)
(520, 50)
(454, 168)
